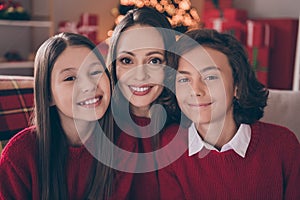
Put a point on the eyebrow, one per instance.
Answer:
(155, 52)
(148, 54)
(67, 69)
(202, 70)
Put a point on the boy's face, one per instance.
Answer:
(205, 86)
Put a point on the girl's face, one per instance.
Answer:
(79, 85)
(140, 66)
(205, 86)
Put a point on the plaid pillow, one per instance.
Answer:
(16, 104)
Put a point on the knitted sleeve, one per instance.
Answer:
(291, 165)
(169, 186)
(18, 171)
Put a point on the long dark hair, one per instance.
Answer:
(51, 138)
(149, 17)
(248, 106)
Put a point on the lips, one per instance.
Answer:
(140, 90)
(201, 105)
(91, 102)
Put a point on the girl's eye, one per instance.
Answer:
(211, 77)
(155, 61)
(97, 72)
(70, 78)
(126, 61)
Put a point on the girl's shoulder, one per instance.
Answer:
(22, 143)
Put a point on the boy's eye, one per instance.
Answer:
(70, 78)
(183, 80)
(155, 61)
(212, 77)
(126, 61)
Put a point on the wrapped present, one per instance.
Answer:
(259, 60)
(67, 26)
(230, 14)
(235, 28)
(258, 34)
(283, 51)
(88, 26)
(208, 4)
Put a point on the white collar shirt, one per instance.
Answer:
(239, 143)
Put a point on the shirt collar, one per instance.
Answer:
(239, 143)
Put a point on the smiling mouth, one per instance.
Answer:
(140, 91)
(203, 105)
(90, 102)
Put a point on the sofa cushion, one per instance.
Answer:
(16, 104)
(282, 109)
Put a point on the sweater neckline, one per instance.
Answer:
(230, 154)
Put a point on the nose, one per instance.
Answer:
(87, 84)
(199, 88)
(141, 73)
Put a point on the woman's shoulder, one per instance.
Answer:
(22, 143)
(174, 131)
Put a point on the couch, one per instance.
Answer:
(16, 105)
(283, 107)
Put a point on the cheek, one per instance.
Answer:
(104, 84)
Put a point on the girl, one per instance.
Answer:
(137, 59)
(229, 153)
(72, 95)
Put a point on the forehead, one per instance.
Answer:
(75, 55)
(140, 37)
(201, 57)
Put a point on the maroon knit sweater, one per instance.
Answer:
(270, 170)
(19, 170)
(144, 185)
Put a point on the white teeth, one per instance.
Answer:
(88, 102)
(139, 89)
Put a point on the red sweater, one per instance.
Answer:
(19, 170)
(270, 170)
(144, 185)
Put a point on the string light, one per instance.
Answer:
(178, 12)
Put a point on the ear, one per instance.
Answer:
(235, 93)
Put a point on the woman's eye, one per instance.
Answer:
(70, 78)
(126, 61)
(155, 61)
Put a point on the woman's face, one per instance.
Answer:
(79, 85)
(140, 66)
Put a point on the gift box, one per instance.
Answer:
(258, 34)
(230, 14)
(235, 28)
(283, 51)
(259, 60)
(67, 26)
(88, 26)
(208, 4)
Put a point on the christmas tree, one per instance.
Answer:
(180, 13)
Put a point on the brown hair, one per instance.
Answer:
(149, 17)
(51, 138)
